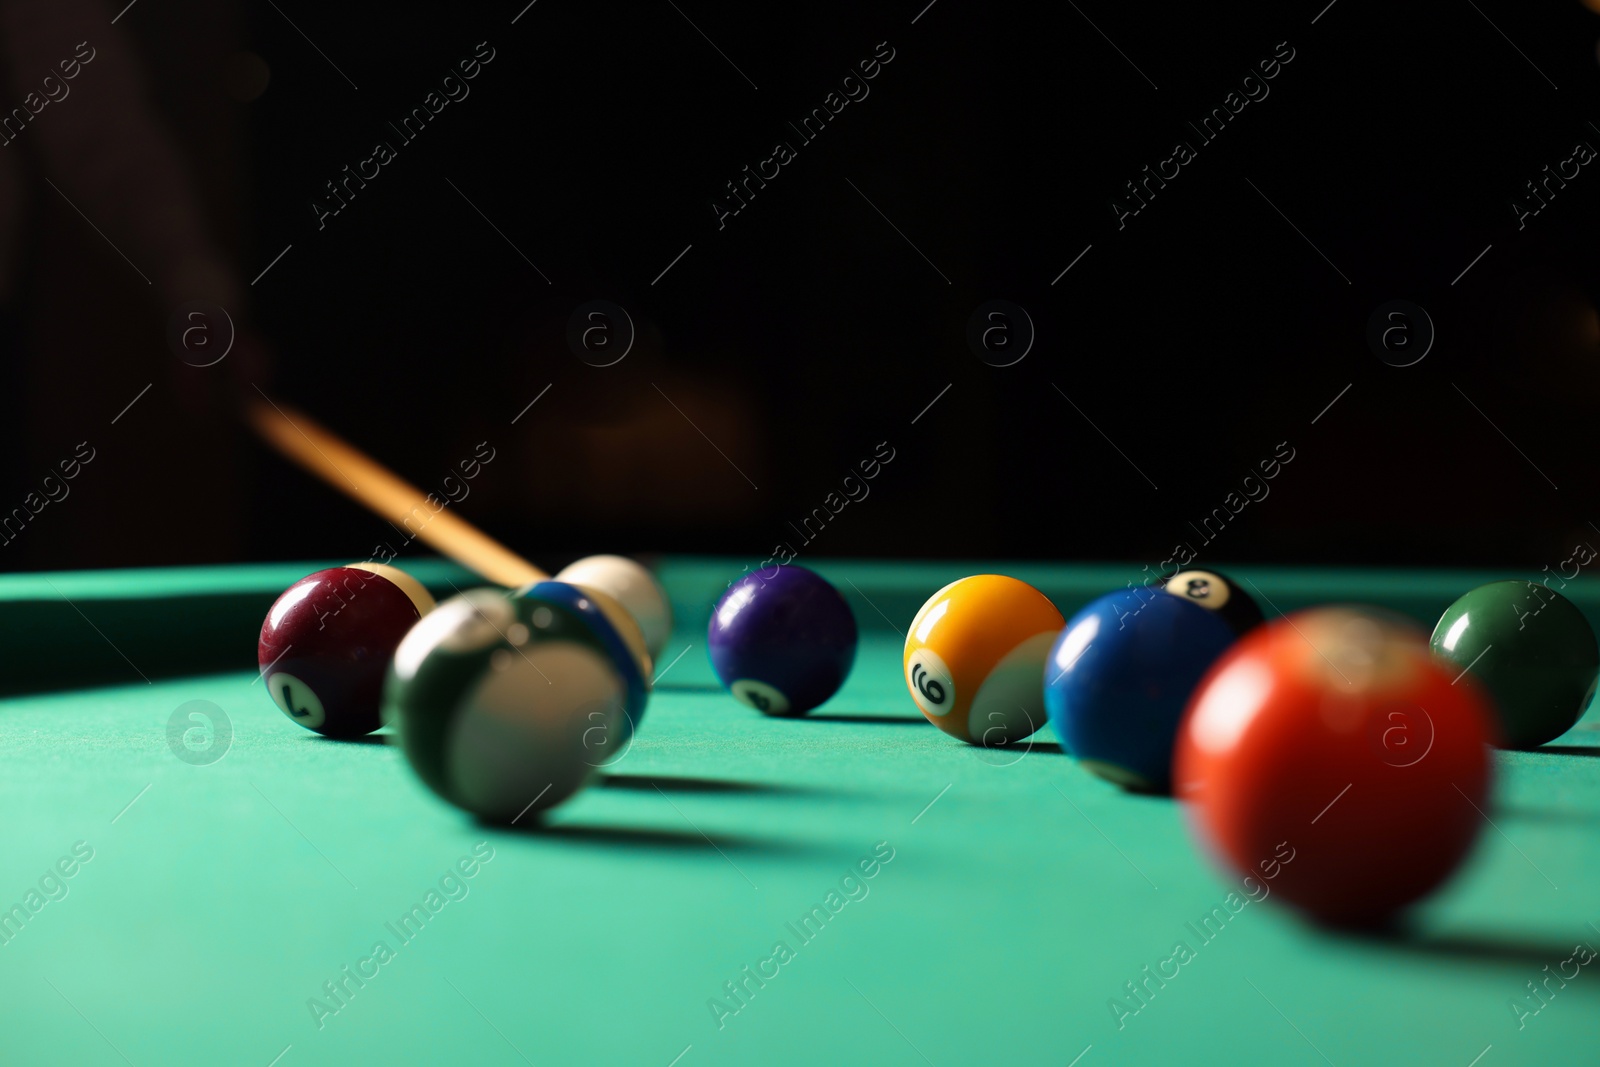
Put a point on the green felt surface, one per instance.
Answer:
(1022, 894)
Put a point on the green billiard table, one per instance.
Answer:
(188, 877)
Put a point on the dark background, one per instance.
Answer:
(783, 349)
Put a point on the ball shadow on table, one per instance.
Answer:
(1028, 748)
(1488, 948)
(1567, 750)
(876, 720)
(639, 837)
(364, 739)
(645, 783)
(1525, 813)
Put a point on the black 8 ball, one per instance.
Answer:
(1218, 593)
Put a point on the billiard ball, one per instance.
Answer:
(632, 586)
(1119, 676)
(505, 705)
(326, 643)
(782, 640)
(1329, 752)
(616, 629)
(974, 655)
(1218, 593)
(1533, 651)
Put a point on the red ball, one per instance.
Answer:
(1333, 738)
(327, 642)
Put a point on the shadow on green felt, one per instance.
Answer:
(1568, 750)
(876, 720)
(646, 783)
(1513, 952)
(638, 837)
(1523, 813)
(1049, 748)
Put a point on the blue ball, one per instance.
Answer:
(1119, 677)
(782, 640)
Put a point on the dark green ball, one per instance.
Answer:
(504, 707)
(1531, 648)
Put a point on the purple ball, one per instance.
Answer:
(782, 642)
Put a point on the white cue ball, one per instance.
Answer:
(632, 586)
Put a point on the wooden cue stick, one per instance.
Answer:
(322, 454)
